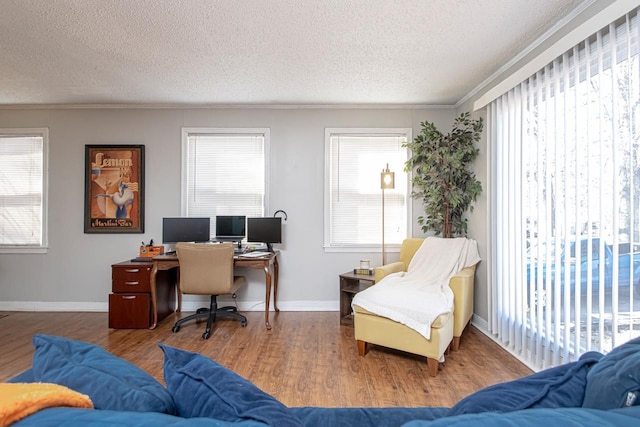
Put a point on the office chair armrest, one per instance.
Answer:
(385, 270)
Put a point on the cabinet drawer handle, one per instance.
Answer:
(131, 283)
(132, 270)
(128, 297)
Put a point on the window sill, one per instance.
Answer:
(395, 248)
(23, 250)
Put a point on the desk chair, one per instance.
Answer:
(208, 270)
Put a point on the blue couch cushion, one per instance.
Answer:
(559, 387)
(75, 417)
(539, 417)
(615, 380)
(378, 417)
(110, 382)
(202, 388)
(24, 377)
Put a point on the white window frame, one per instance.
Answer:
(389, 247)
(44, 133)
(186, 131)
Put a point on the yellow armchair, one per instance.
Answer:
(445, 331)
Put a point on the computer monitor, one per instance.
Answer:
(185, 229)
(230, 228)
(266, 230)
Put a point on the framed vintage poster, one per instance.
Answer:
(114, 189)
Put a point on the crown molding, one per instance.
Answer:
(228, 106)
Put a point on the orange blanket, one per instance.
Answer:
(20, 400)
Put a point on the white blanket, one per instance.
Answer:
(418, 296)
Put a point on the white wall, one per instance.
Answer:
(75, 274)
(478, 224)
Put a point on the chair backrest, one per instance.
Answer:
(408, 249)
(205, 269)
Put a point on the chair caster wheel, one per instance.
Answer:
(175, 329)
(206, 335)
(243, 323)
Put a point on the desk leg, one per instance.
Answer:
(275, 284)
(178, 293)
(154, 296)
(267, 274)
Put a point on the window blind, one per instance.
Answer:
(565, 204)
(224, 174)
(22, 190)
(355, 197)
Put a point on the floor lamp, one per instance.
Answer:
(387, 182)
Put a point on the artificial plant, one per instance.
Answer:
(442, 177)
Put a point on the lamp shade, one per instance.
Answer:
(387, 179)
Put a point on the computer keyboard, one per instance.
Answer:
(254, 254)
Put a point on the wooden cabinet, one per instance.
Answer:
(129, 311)
(131, 303)
(130, 277)
(351, 284)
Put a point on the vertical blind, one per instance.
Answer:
(565, 206)
(225, 175)
(356, 162)
(21, 190)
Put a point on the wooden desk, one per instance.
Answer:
(267, 263)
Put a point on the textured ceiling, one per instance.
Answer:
(261, 52)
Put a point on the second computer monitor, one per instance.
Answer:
(265, 230)
(230, 227)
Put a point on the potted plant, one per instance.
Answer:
(442, 175)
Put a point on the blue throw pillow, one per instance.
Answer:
(110, 382)
(559, 387)
(615, 380)
(203, 388)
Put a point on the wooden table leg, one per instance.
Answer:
(267, 274)
(178, 293)
(154, 302)
(275, 283)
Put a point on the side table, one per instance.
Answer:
(351, 284)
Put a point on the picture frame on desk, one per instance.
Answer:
(114, 189)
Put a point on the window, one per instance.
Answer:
(353, 198)
(565, 154)
(224, 172)
(23, 185)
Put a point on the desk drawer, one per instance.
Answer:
(130, 278)
(129, 311)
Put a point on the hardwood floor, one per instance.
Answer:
(307, 359)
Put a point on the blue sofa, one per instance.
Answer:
(596, 390)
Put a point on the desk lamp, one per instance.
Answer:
(387, 182)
